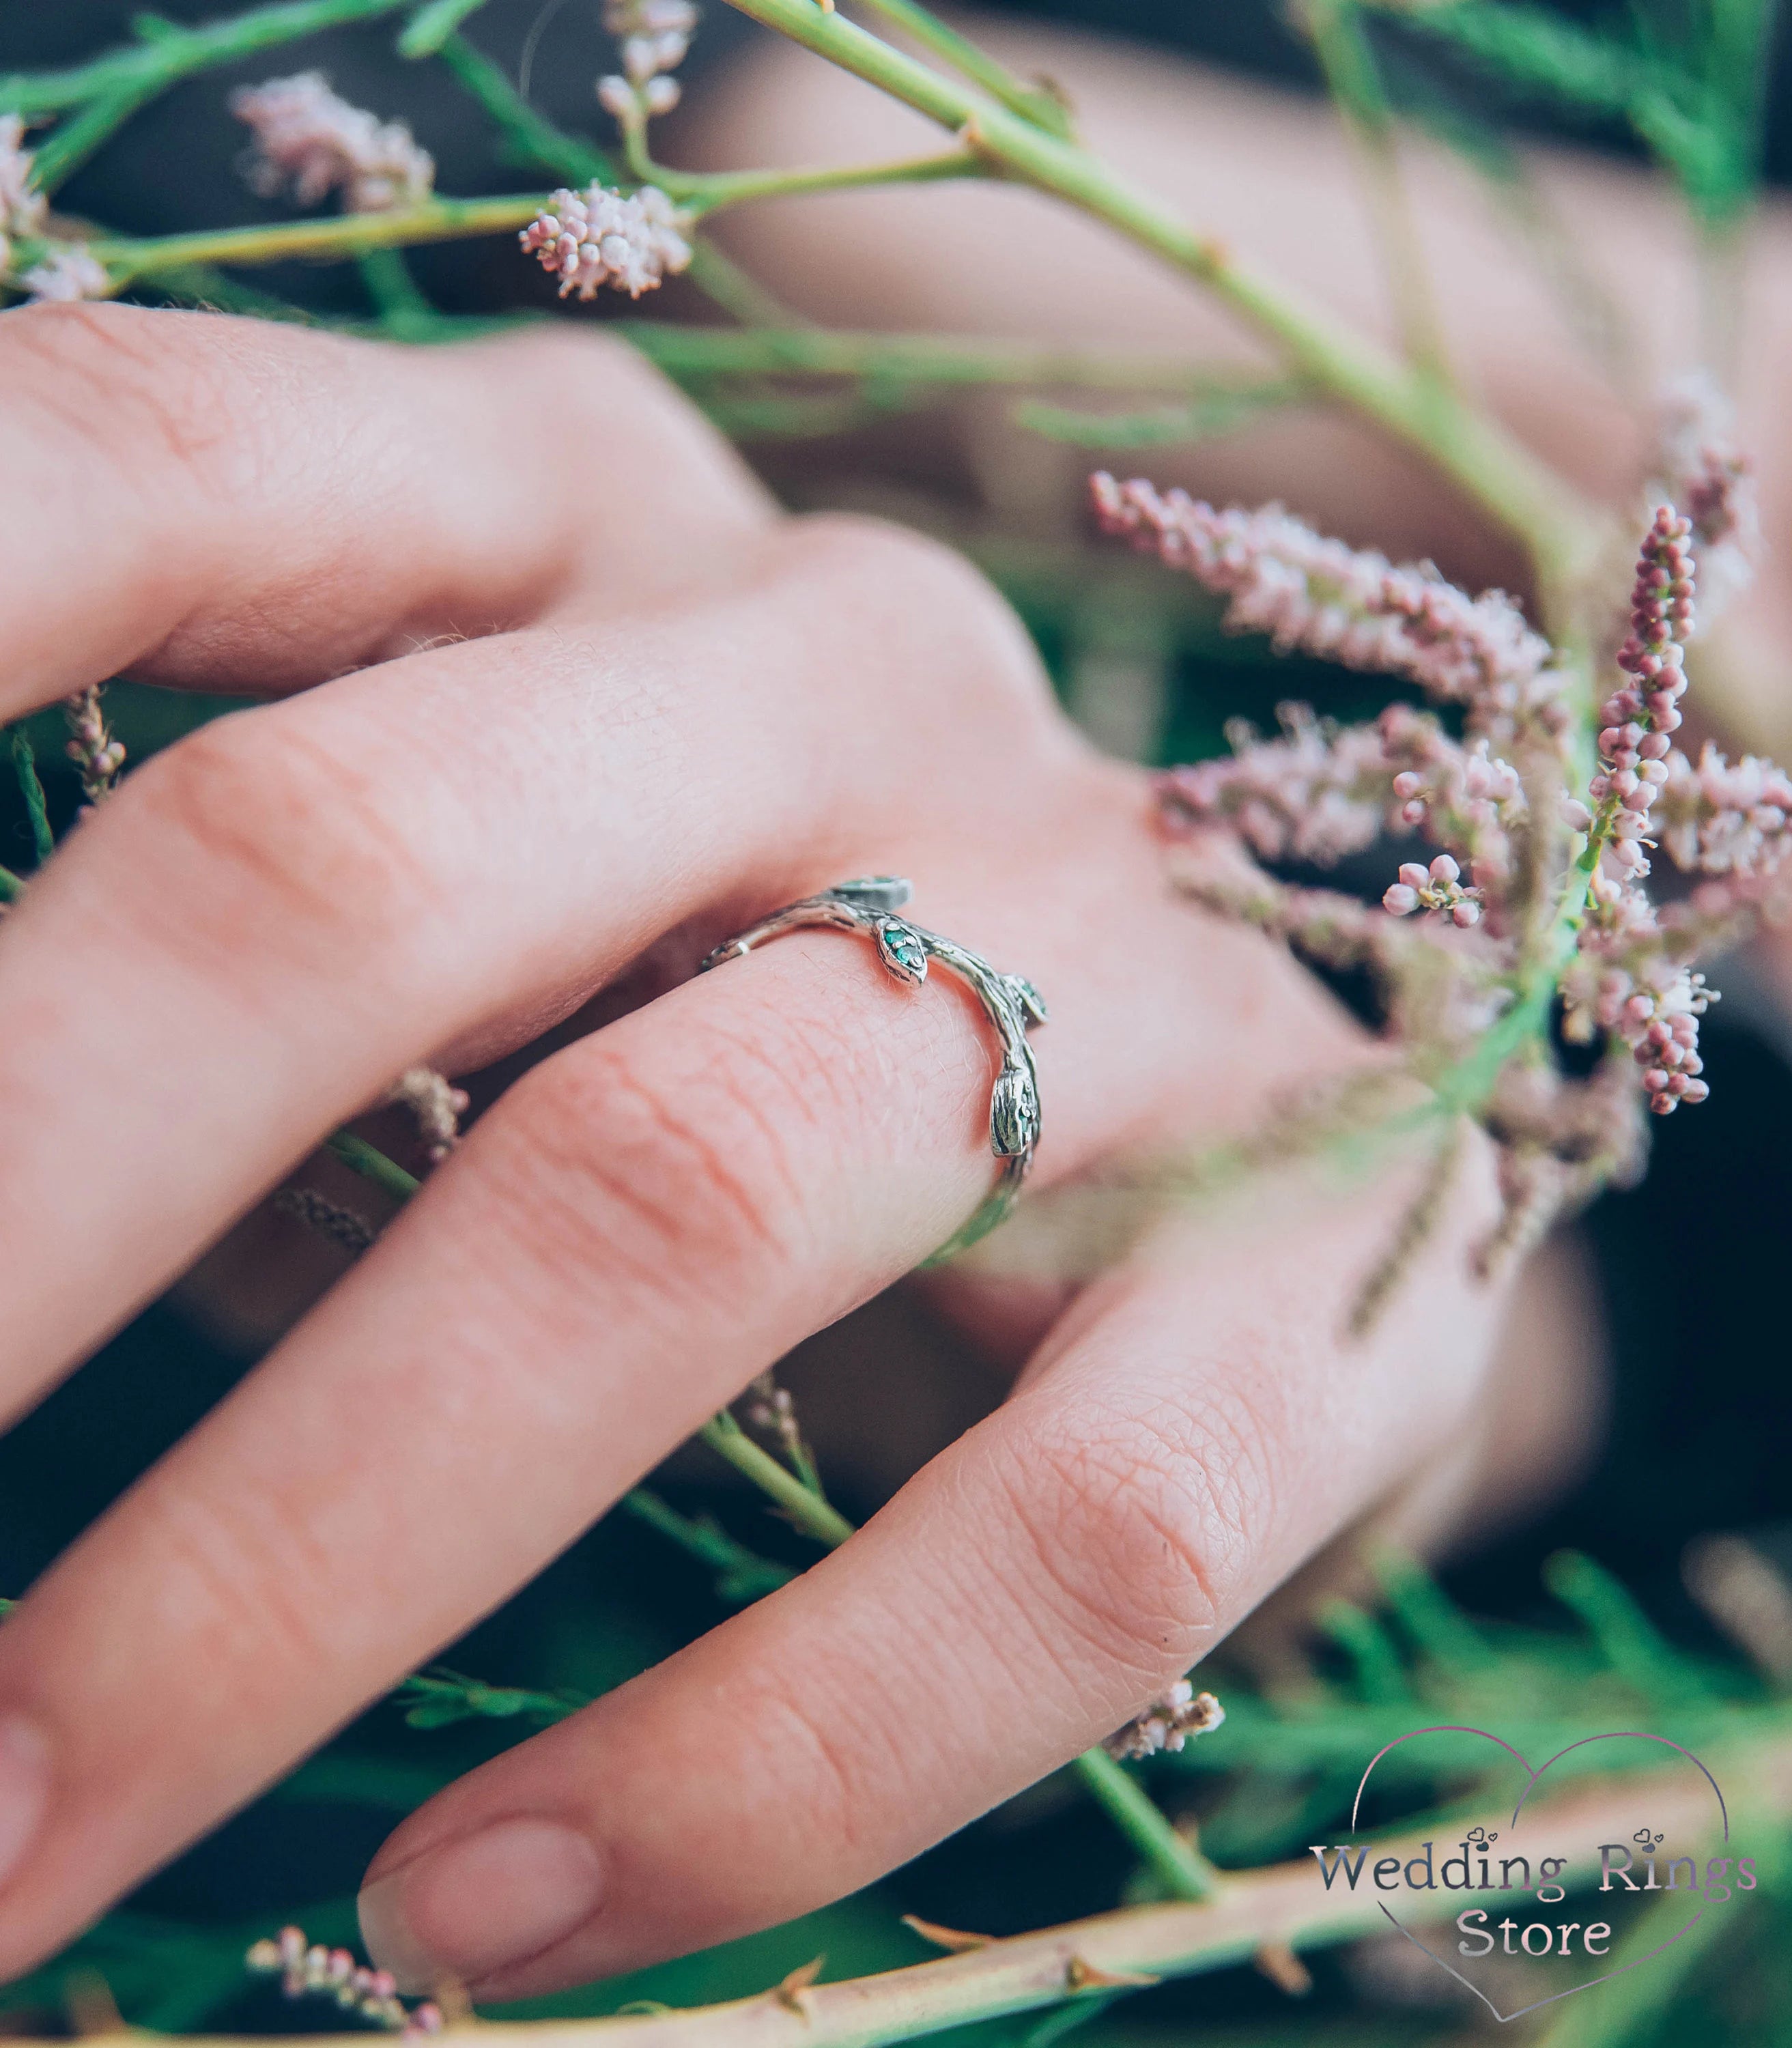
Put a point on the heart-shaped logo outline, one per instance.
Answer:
(1532, 1776)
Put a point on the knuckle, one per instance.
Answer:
(939, 605)
(1142, 1526)
(114, 378)
(682, 1170)
(282, 838)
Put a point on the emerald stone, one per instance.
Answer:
(900, 947)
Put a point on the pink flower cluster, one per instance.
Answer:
(1633, 745)
(600, 236)
(1726, 818)
(307, 137)
(306, 1967)
(1320, 792)
(1501, 890)
(97, 756)
(1351, 605)
(1437, 887)
(654, 35)
(68, 270)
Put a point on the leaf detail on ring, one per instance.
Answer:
(900, 948)
(1013, 1113)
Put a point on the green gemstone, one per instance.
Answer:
(900, 950)
(1031, 1003)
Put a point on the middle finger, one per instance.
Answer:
(289, 908)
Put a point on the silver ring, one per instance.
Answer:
(1009, 1001)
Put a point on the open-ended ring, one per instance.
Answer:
(1010, 1003)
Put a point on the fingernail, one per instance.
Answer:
(25, 1788)
(463, 1911)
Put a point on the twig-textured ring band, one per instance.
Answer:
(1010, 1003)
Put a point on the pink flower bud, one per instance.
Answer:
(1399, 899)
(1466, 913)
(1576, 815)
(1444, 869)
(1414, 876)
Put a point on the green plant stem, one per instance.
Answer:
(1182, 1869)
(24, 767)
(703, 193)
(334, 234)
(60, 155)
(402, 309)
(430, 27)
(373, 1165)
(1044, 109)
(1496, 473)
(912, 358)
(526, 137)
(741, 1574)
(804, 1510)
(166, 52)
(740, 295)
(12, 886)
(1335, 29)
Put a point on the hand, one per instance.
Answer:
(556, 681)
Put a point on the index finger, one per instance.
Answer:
(228, 504)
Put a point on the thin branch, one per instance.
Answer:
(1285, 1904)
(336, 235)
(528, 138)
(806, 1511)
(906, 358)
(1184, 1873)
(1354, 80)
(62, 153)
(741, 1574)
(167, 52)
(1037, 103)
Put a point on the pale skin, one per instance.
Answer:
(550, 679)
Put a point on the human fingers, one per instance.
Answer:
(251, 507)
(265, 924)
(1197, 1428)
(640, 1224)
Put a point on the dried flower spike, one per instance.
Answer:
(1352, 605)
(1167, 1723)
(96, 754)
(308, 138)
(307, 1969)
(600, 236)
(437, 1104)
